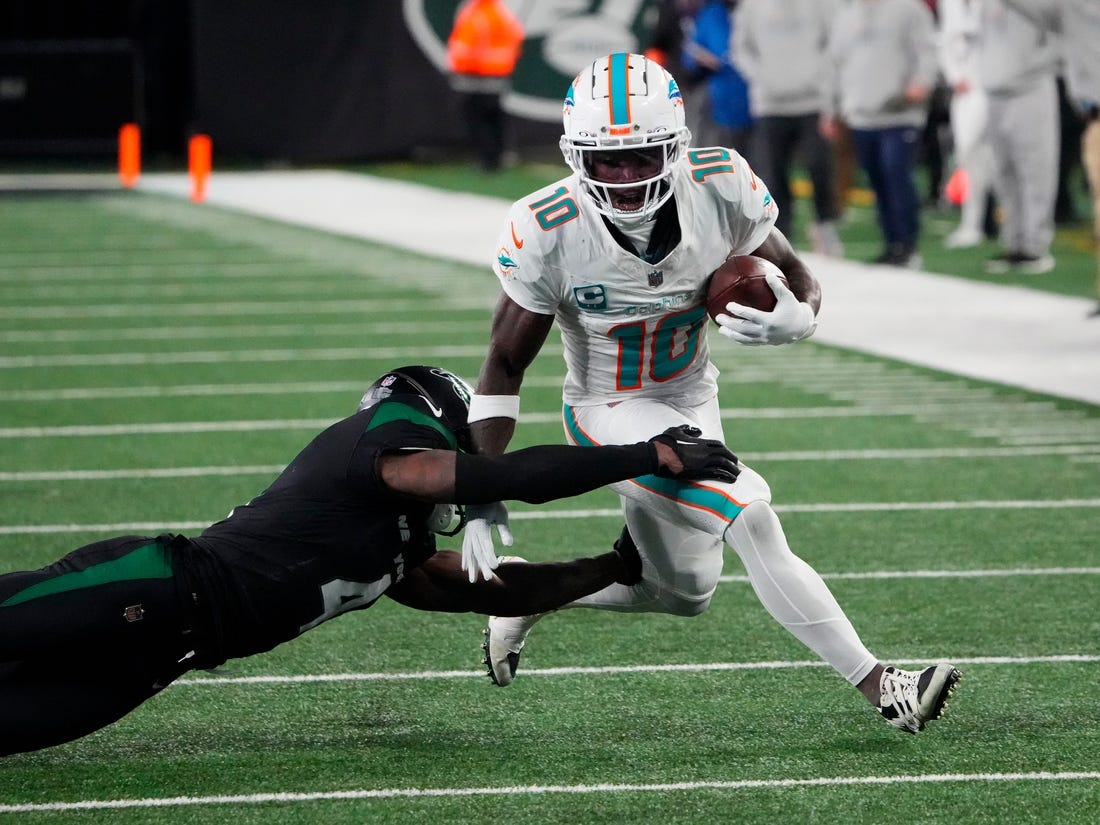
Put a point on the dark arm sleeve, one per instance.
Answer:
(538, 474)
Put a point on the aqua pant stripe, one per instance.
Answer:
(686, 493)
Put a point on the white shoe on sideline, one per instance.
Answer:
(963, 238)
(825, 240)
(1033, 264)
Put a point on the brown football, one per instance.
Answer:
(740, 278)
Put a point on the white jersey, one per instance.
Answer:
(632, 328)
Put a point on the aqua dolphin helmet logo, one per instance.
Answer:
(674, 91)
(561, 38)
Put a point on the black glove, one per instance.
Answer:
(703, 458)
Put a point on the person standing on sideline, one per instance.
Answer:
(1018, 67)
(779, 46)
(482, 51)
(673, 24)
(960, 28)
(618, 253)
(707, 53)
(1078, 23)
(882, 57)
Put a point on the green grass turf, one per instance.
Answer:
(131, 311)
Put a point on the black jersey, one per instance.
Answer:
(326, 537)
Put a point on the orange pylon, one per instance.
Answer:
(199, 151)
(129, 154)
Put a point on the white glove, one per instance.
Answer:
(478, 553)
(790, 321)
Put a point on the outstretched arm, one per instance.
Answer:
(543, 473)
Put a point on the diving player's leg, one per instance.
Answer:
(107, 593)
(50, 701)
(516, 589)
(87, 639)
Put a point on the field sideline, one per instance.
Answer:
(994, 331)
(160, 361)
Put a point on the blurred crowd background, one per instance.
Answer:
(820, 95)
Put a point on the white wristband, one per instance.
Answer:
(493, 406)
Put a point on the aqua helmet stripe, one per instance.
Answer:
(619, 89)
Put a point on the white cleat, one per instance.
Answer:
(505, 637)
(910, 699)
(964, 238)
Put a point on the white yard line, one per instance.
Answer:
(1082, 452)
(614, 513)
(81, 335)
(1042, 438)
(700, 667)
(287, 797)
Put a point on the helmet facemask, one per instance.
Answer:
(624, 103)
(447, 519)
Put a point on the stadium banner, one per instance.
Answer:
(332, 80)
(561, 37)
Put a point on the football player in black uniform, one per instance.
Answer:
(87, 639)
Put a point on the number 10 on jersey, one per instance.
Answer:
(659, 349)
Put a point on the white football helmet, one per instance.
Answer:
(625, 103)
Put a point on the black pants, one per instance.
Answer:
(777, 141)
(485, 127)
(87, 639)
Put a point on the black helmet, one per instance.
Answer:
(446, 395)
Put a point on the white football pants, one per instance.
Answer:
(680, 529)
(969, 119)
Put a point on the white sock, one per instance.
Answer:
(794, 594)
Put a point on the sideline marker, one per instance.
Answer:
(129, 154)
(958, 187)
(199, 151)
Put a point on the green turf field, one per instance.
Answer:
(160, 362)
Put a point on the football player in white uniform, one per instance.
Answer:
(619, 254)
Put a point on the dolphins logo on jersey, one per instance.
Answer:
(506, 263)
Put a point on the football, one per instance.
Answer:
(740, 278)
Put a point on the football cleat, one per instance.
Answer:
(910, 699)
(504, 640)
